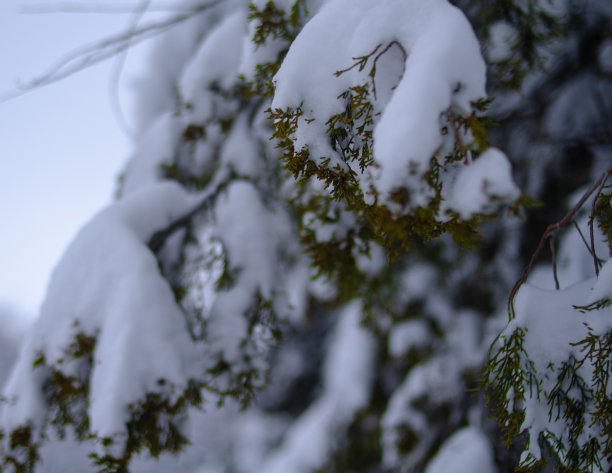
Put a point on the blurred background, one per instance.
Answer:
(62, 146)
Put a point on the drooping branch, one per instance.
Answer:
(551, 232)
(159, 238)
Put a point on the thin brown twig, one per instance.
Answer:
(550, 232)
(380, 54)
(360, 61)
(591, 221)
(584, 240)
(551, 242)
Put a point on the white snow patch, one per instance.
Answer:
(483, 185)
(603, 287)
(347, 378)
(108, 285)
(443, 66)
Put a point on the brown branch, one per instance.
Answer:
(551, 232)
(553, 256)
(378, 56)
(360, 61)
(456, 132)
(159, 238)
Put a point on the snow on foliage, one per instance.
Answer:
(484, 185)
(558, 385)
(284, 283)
(436, 65)
(108, 283)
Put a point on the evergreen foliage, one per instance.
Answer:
(292, 295)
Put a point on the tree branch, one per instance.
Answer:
(99, 8)
(93, 54)
(551, 232)
(159, 238)
(591, 222)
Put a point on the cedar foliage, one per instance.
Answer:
(463, 254)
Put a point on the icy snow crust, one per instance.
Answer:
(443, 68)
(108, 283)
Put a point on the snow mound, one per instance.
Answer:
(442, 67)
(483, 185)
(108, 285)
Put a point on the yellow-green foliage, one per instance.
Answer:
(350, 135)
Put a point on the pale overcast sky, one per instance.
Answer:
(60, 147)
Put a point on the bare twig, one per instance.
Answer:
(104, 8)
(591, 223)
(586, 243)
(550, 232)
(115, 103)
(361, 61)
(551, 242)
(380, 54)
(93, 54)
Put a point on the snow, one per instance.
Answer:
(605, 56)
(602, 291)
(503, 35)
(347, 382)
(443, 67)
(155, 148)
(435, 380)
(108, 285)
(552, 324)
(466, 451)
(407, 335)
(215, 62)
(483, 185)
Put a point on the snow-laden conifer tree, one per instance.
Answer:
(308, 262)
